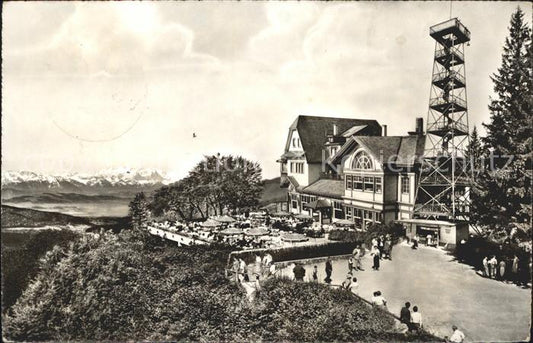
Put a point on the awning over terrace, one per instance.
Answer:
(318, 204)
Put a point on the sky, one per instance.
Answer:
(97, 85)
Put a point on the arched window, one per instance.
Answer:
(362, 161)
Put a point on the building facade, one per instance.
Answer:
(337, 168)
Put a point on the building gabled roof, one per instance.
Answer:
(353, 130)
(326, 188)
(400, 150)
(313, 130)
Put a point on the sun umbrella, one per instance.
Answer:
(224, 219)
(259, 231)
(231, 231)
(294, 237)
(210, 223)
(304, 217)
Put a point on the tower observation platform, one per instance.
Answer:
(444, 191)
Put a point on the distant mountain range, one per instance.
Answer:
(116, 182)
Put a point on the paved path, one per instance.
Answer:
(446, 292)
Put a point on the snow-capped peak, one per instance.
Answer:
(107, 177)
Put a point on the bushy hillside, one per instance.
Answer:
(118, 288)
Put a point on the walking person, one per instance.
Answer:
(486, 269)
(493, 263)
(235, 269)
(374, 242)
(501, 269)
(291, 268)
(380, 246)
(315, 274)
(357, 254)
(387, 247)
(243, 270)
(375, 256)
(329, 270)
(416, 319)
(405, 315)
(258, 267)
(415, 242)
(350, 264)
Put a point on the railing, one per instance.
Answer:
(449, 24)
(453, 50)
(180, 238)
(452, 74)
(432, 208)
(442, 125)
(452, 99)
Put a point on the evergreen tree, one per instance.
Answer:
(474, 153)
(506, 185)
(138, 211)
(475, 167)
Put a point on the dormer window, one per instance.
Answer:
(296, 142)
(362, 161)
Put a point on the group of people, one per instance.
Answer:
(263, 267)
(248, 278)
(505, 268)
(378, 300)
(413, 320)
(381, 248)
(298, 272)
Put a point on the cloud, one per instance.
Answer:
(120, 38)
(235, 73)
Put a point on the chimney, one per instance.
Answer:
(335, 130)
(384, 130)
(419, 126)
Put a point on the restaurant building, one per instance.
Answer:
(338, 168)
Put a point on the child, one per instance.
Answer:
(315, 274)
(350, 264)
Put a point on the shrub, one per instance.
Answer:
(346, 236)
(375, 230)
(20, 263)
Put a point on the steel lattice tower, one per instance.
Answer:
(443, 191)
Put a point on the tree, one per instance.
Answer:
(474, 153)
(216, 184)
(506, 185)
(139, 211)
(475, 159)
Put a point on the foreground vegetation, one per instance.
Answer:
(118, 287)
